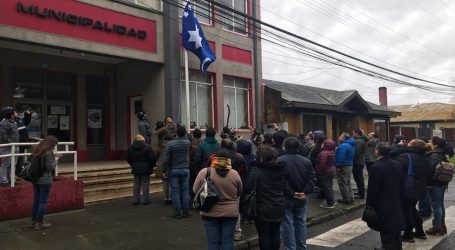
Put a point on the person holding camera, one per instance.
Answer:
(144, 127)
(42, 187)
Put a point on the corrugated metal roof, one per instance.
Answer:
(425, 112)
(328, 99)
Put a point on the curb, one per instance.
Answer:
(252, 241)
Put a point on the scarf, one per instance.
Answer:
(221, 163)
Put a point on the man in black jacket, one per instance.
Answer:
(384, 196)
(300, 181)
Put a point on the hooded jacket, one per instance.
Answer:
(300, 175)
(360, 150)
(141, 158)
(325, 161)
(203, 151)
(270, 183)
(345, 153)
(434, 158)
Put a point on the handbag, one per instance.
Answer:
(207, 195)
(409, 182)
(371, 218)
(248, 204)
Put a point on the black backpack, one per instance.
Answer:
(32, 169)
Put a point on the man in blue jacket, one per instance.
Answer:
(176, 165)
(343, 162)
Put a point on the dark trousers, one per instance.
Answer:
(357, 171)
(269, 234)
(391, 241)
(141, 182)
(413, 219)
(326, 182)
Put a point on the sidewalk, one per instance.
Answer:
(120, 225)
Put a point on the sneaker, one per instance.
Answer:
(177, 214)
(325, 205)
(186, 213)
(238, 238)
(32, 224)
(44, 225)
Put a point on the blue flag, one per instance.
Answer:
(193, 38)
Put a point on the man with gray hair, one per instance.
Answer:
(344, 157)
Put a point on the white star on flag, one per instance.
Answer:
(185, 14)
(195, 37)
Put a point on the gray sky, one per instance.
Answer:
(415, 37)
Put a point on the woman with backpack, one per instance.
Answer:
(42, 187)
(435, 187)
(221, 219)
(268, 180)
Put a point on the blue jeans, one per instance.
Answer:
(437, 202)
(41, 195)
(293, 226)
(179, 180)
(220, 233)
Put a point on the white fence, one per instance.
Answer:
(14, 155)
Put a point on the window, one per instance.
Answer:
(234, 22)
(201, 100)
(313, 122)
(380, 129)
(202, 10)
(154, 4)
(236, 95)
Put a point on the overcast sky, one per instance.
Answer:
(415, 37)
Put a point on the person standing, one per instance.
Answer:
(206, 148)
(300, 178)
(370, 155)
(278, 138)
(359, 162)
(195, 141)
(42, 187)
(268, 180)
(142, 161)
(325, 171)
(384, 185)
(220, 221)
(414, 152)
(177, 162)
(144, 127)
(436, 188)
(344, 156)
(8, 134)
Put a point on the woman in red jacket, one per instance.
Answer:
(325, 171)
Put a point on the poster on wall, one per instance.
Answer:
(64, 122)
(58, 110)
(52, 121)
(94, 117)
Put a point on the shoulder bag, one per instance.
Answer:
(207, 195)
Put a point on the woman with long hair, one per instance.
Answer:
(441, 149)
(42, 187)
(220, 221)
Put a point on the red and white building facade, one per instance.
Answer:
(86, 67)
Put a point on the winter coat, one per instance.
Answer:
(300, 175)
(194, 143)
(49, 165)
(141, 158)
(325, 161)
(360, 150)
(434, 158)
(384, 183)
(279, 149)
(245, 149)
(145, 130)
(306, 148)
(160, 133)
(344, 154)
(204, 150)
(371, 147)
(22, 127)
(177, 154)
(421, 167)
(8, 132)
(396, 150)
(270, 182)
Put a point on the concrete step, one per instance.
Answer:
(95, 199)
(124, 178)
(112, 188)
(98, 174)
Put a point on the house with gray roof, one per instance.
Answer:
(307, 108)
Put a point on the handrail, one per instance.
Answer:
(14, 155)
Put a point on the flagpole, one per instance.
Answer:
(187, 91)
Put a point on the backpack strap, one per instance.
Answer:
(410, 166)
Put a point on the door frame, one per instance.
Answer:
(131, 116)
